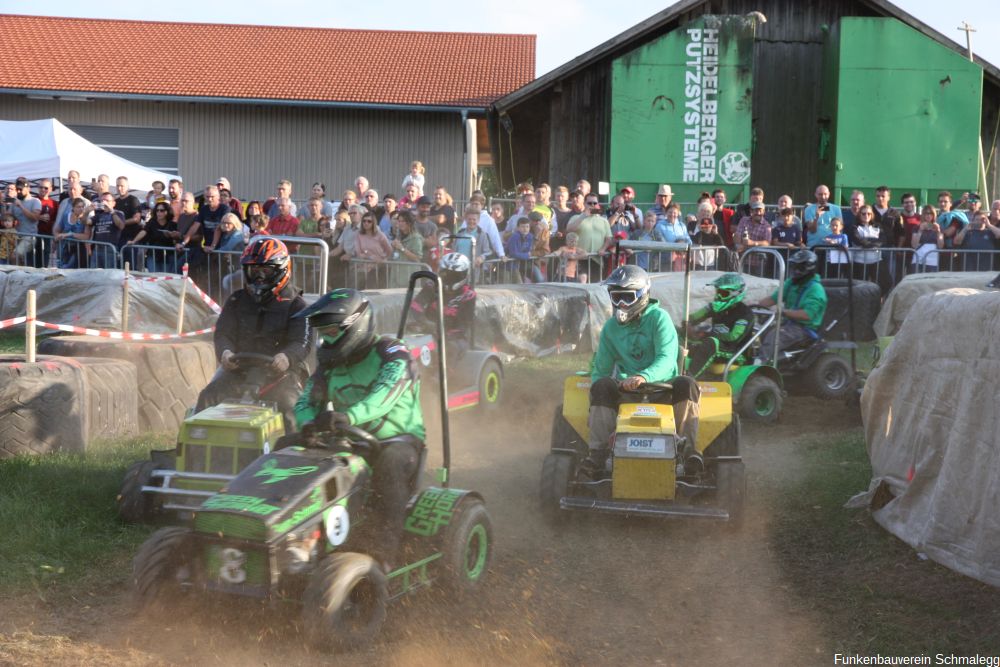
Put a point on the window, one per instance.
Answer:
(152, 147)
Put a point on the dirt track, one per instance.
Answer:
(596, 591)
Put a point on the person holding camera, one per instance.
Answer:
(818, 216)
(105, 224)
(622, 217)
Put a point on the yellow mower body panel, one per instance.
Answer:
(716, 406)
(576, 403)
(645, 452)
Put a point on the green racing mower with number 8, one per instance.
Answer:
(298, 525)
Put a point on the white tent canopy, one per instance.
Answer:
(47, 149)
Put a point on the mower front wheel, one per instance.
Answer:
(761, 399)
(134, 506)
(159, 565)
(344, 604)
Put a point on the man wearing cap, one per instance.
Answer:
(27, 210)
(754, 231)
(628, 194)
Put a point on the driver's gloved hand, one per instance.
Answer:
(328, 420)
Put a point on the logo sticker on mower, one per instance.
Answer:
(646, 445)
(271, 469)
(646, 411)
(232, 570)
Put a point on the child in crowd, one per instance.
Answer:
(415, 177)
(928, 241)
(518, 248)
(258, 225)
(786, 234)
(645, 233)
(839, 238)
(156, 195)
(570, 256)
(8, 239)
(540, 248)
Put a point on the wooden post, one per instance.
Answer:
(180, 310)
(29, 329)
(125, 300)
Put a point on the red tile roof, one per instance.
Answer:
(262, 62)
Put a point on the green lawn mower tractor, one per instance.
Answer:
(212, 447)
(296, 525)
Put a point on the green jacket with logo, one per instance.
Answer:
(646, 346)
(379, 392)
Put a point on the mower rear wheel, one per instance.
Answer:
(557, 472)
(468, 547)
(159, 565)
(731, 487)
(490, 385)
(829, 377)
(344, 604)
(761, 399)
(565, 436)
(134, 506)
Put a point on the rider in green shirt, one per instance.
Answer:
(371, 382)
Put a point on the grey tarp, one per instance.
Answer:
(912, 287)
(534, 320)
(933, 431)
(93, 298)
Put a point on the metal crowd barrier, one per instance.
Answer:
(220, 273)
(153, 258)
(27, 250)
(367, 274)
(958, 259)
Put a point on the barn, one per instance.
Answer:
(779, 94)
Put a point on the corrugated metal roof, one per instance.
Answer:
(653, 26)
(171, 60)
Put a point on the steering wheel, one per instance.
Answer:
(646, 389)
(251, 359)
(362, 441)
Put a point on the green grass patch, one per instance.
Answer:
(59, 517)
(878, 595)
(11, 342)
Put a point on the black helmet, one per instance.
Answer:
(266, 267)
(454, 271)
(802, 266)
(343, 320)
(628, 287)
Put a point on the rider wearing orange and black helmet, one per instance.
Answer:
(258, 319)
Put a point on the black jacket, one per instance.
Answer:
(264, 328)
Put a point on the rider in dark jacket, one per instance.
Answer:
(258, 319)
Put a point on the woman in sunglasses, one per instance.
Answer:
(637, 345)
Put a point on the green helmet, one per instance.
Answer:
(730, 288)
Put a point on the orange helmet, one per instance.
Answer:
(267, 267)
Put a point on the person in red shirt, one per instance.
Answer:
(47, 216)
(284, 224)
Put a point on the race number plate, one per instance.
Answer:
(642, 444)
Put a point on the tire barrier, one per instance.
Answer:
(42, 405)
(867, 303)
(169, 374)
(111, 404)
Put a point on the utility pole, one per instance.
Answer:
(983, 186)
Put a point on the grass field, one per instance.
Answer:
(58, 512)
(879, 595)
(11, 343)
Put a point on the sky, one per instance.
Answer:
(565, 29)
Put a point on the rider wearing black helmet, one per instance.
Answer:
(805, 304)
(258, 319)
(637, 345)
(371, 382)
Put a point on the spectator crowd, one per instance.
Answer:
(552, 234)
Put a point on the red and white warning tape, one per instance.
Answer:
(118, 334)
(14, 321)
